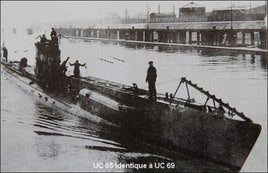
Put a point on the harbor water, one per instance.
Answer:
(35, 137)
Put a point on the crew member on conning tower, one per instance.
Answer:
(53, 33)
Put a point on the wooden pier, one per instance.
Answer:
(235, 36)
(241, 50)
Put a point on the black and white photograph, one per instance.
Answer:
(134, 86)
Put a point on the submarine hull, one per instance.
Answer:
(220, 140)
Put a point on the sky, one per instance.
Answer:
(22, 12)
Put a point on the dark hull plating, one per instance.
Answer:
(223, 141)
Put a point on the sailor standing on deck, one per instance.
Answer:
(5, 53)
(76, 68)
(151, 78)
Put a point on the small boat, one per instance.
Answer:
(181, 125)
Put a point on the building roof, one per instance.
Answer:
(220, 25)
(192, 5)
(162, 14)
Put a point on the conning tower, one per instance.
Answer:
(48, 63)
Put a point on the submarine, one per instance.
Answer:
(181, 125)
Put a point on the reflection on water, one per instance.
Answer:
(204, 52)
(47, 148)
(35, 137)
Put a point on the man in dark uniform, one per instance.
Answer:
(5, 53)
(63, 67)
(54, 40)
(43, 38)
(151, 78)
(76, 68)
(53, 33)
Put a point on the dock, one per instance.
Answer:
(242, 50)
(245, 37)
